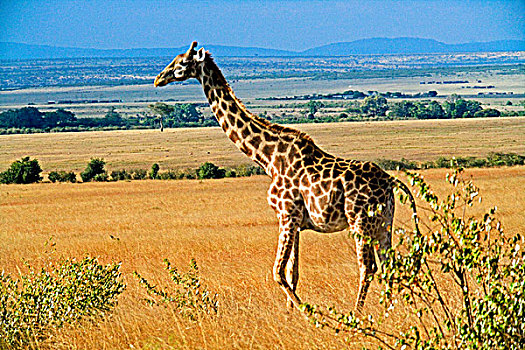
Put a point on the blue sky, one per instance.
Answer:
(292, 24)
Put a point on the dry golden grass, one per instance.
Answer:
(229, 229)
(185, 148)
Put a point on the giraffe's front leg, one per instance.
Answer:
(288, 238)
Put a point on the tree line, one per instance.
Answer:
(454, 107)
(30, 119)
(160, 115)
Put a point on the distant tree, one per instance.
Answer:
(95, 167)
(27, 117)
(375, 105)
(154, 172)
(113, 118)
(175, 115)
(161, 109)
(23, 171)
(422, 111)
(313, 107)
(60, 117)
(461, 108)
(487, 113)
(187, 112)
(210, 171)
(403, 110)
(435, 111)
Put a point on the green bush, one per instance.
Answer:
(487, 113)
(169, 175)
(492, 160)
(23, 171)
(189, 298)
(462, 282)
(249, 170)
(210, 171)
(38, 302)
(62, 176)
(154, 172)
(104, 177)
(509, 159)
(230, 173)
(388, 164)
(95, 167)
(119, 175)
(139, 174)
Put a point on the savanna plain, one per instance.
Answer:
(225, 225)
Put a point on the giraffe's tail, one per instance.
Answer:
(407, 191)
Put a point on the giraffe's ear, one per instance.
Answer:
(200, 55)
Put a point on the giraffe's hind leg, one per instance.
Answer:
(292, 268)
(367, 267)
(384, 228)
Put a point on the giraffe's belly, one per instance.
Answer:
(325, 213)
(325, 226)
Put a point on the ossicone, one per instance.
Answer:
(193, 46)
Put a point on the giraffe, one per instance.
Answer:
(310, 188)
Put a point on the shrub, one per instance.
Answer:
(249, 170)
(154, 172)
(37, 302)
(62, 176)
(388, 164)
(119, 175)
(169, 175)
(230, 173)
(94, 168)
(53, 176)
(103, 177)
(462, 281)
(210, 171)
(23, 171)
(188, 175)
(139, 174)
(487, 113)
(493, 159)
(189, 298)
(500, 159)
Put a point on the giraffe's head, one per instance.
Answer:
(183, 67)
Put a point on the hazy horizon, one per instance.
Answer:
(277, 24)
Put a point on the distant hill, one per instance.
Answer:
(9, 50)
(410, 46)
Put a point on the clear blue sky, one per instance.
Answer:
(292, 24)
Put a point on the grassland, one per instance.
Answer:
(188, 148)
(227, 226)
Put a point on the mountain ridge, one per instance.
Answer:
(371, 46)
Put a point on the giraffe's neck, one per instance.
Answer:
(253, 135)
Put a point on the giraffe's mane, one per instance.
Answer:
(279, 129)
